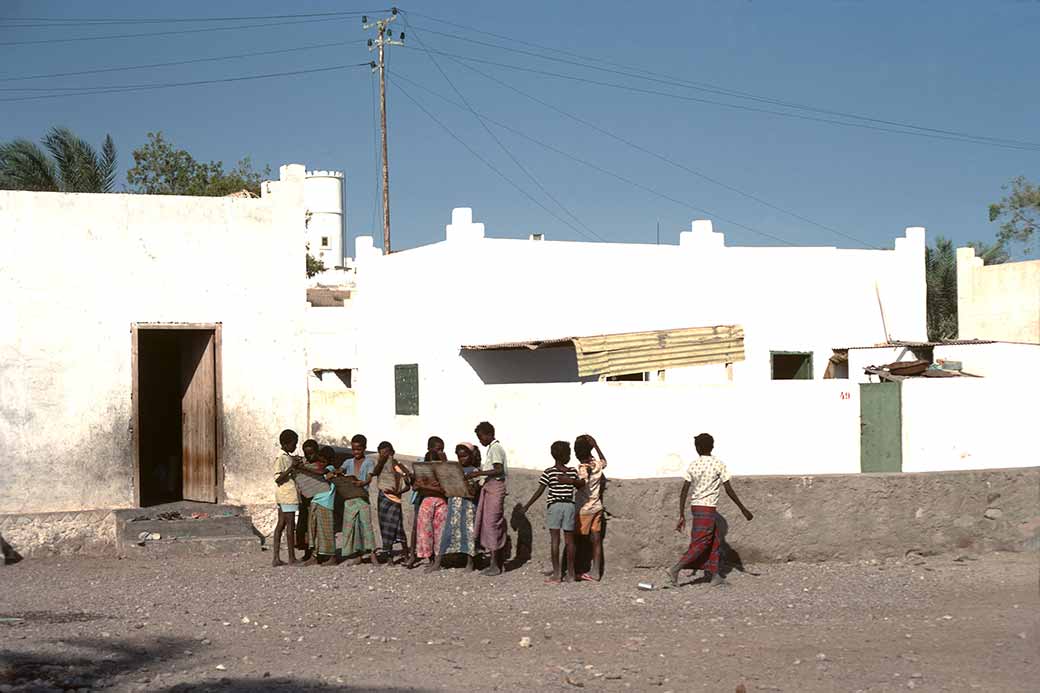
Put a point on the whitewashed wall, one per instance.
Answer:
(470, 289)
(1000, 302)
(1019, 363)
(970, 423)
(647, 429)
(78, 270)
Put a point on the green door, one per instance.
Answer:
(881, 428)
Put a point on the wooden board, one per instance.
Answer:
(448, 474)
(199, 417)
(347, 489)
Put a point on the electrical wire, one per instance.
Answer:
(596, 167)
(169, 85)
(477, 155)
(701, 86)
(191, 61)
(73, 21)
(662, 157)
(499, 142)
(681, 97)
(572, 157)
(163, 33)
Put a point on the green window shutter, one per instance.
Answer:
(406, 389)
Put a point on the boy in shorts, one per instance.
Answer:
(285, 496)
(561, 481)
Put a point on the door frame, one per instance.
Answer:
(135, 416)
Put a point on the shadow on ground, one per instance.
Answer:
(89, 663)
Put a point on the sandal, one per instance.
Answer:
(587, 578)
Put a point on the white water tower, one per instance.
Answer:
(323, 200)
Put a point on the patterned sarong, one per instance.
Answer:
(391, 523)
(704, 541)
(357, 528)
(320, 530)
(459, 532)
(429, 523)
(490, 521)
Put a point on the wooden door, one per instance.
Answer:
(881, 427)
(199, 417)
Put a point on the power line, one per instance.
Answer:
(73, 21)
(681, 97)
(499, 142)
(585, 163)
(169, 85)
(691, 84)
(180, 62)
(476, 154)
(662, 157)
(162, 33)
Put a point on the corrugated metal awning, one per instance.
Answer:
(637, 352)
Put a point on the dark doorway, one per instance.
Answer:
(176, 411)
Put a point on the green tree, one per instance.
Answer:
(162, 169)
(1019, 211)
(65, 163)
(314, 265)
(941, 282)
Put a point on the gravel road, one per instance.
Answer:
(233, 623)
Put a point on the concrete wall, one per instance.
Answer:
(970, 423)
(999, 302)
(801, 518)
(78, 270)
(816, 518)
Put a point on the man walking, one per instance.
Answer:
(703, 476)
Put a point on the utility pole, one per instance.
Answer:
(384, 37)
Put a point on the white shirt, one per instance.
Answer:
(706, 475)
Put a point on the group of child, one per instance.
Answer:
(315, 498)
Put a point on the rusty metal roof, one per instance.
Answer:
(635, 352)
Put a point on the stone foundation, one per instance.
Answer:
(91, 532)
(811, 518)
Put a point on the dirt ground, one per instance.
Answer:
(233, 623)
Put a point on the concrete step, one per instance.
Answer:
(231, 526)
(198, 546)
(171, 530)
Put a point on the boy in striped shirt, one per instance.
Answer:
(561, 481)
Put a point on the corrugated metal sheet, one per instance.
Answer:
(636, 352)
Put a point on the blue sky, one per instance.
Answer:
(956, 66)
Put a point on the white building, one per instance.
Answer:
(153, 346)
(419, 314)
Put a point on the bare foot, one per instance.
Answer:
(277, 563)
(491, 571)
(673, 576)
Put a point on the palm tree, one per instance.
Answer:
(73, 165)
(941, 280)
